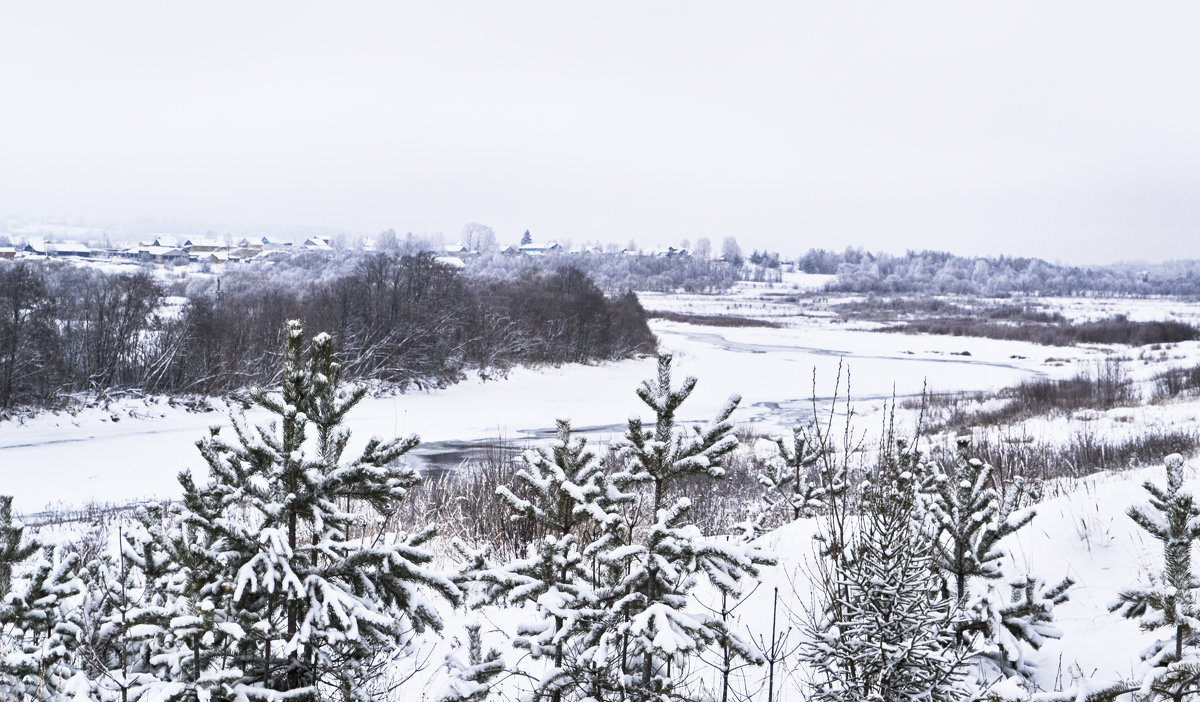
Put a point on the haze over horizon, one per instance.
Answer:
(1064, 131)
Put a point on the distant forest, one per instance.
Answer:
(938, 272)
(860, 271)
(406, 320)
(618, 272)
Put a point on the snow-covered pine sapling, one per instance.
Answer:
(311, 601)
(39, 634)
(786, 485)
(14, 547)
(971, 520)
(882, 632)
(1168, 601)
(789, 475)
(657, 574)
(469, 678)
(40, 631)
(115, 605)
(1024, 617)
(190, 634)
(661, 456)
(566, 498)
(656, 621)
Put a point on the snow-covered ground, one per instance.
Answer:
(1084, 534)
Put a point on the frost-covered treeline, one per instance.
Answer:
(401, 319)
(944, 273)
(614, 272)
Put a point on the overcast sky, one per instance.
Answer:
(1069, 131)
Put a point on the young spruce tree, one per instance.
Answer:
(286, 586)
(971, 519)
(1169, 600)
(786, 480)
(564, 496)
(651, 623)
(882, 631)
(39, 628)
(470, 678)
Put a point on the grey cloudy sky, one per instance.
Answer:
(1069, 131)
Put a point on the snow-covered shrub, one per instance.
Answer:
(469, 677)
(39, 628)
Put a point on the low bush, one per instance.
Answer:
(1118, 330)
(1082, 454)
(712, 320)
(1108, 385)
(943, 309)
(1177, 382)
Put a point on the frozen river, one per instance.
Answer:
(73, 460)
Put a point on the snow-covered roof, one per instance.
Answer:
(245, 252)
(270, 255)
(539, 248)
(451, 261)
(206, 243)
(161, 251)
(62, 248)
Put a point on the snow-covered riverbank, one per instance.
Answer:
(135, 449)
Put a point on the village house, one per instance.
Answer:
(459, 251)
(162, 254)
(167, 241)
(317, 243)
(204, 246)
(269, 245)
(64, 248)
(532, 249)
